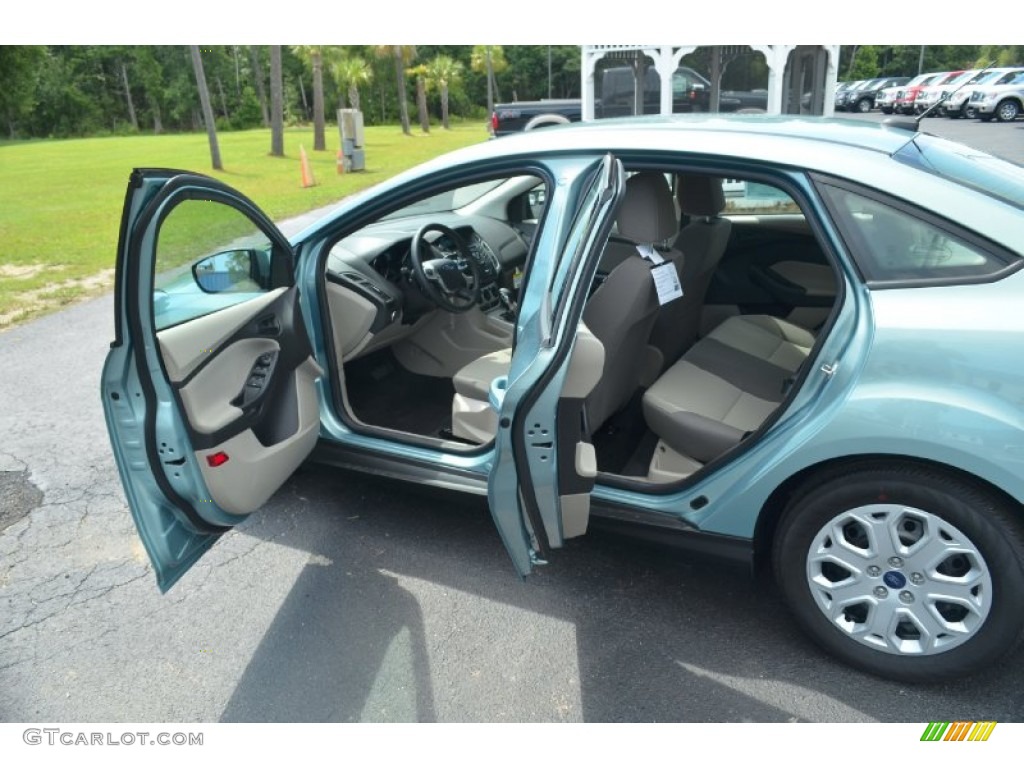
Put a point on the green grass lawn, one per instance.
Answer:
(60, 201)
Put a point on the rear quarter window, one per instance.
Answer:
(894, 244)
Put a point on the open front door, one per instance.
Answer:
(209, 386)
(539, 489)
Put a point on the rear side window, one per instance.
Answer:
(893, 244)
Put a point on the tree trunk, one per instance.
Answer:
(261, 91)
(276, 103)
(158, 123)
(353, 96)
(128, 97)
(238, 72)
(223, 101)
(403, 108)
(319, 142)
(421, 104)
(204, 100)
(305, 102)
(444, 105)
(490, 85)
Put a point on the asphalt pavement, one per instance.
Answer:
(347, 598)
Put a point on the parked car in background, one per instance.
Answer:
(957, 104)
(1004, 102)
(932, 95)
(886, 97)
(903, 101)
(842, 86)
(616, 97)
(824, 387)
(862, 98)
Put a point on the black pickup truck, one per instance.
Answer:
(691, 92)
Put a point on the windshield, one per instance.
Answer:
(999, 78)
(964, 77)
(967, 166)
(449, 200)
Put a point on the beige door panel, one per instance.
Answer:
(183, 347)
(207, 397)
(815, 279)
(253, 471)
(586, 366)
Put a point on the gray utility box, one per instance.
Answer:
(350, 126)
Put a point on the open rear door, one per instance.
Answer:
(209, 386)
(539, 489)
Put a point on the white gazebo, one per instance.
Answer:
(801, 78)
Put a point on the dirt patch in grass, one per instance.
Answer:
(24, 271)
(33, 302)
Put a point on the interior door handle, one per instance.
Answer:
(269, 326)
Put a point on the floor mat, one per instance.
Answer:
(382, 393)
(617, 441)
(640, 462)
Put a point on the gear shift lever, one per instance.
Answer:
(505, 295)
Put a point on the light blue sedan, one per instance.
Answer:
(791, 342)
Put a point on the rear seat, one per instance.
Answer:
(726, 385)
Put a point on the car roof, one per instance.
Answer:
(788, 135)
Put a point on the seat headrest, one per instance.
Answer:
(647, 214)
(700, 195)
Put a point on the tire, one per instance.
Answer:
(864, 106)
(970, 112)
(903, 571)
(886, 110)
(1007, 111)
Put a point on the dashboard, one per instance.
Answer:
(374, 262)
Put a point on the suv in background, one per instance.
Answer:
(937, 92)
(957, 104)
(862, 98)
(1004, 102)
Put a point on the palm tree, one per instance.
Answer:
(313, 55)
(491, 60)
(352, 71)
(204, 100)
(446, 72)
(420, 73)
(276, 103)
(402, 55)
(257, 76)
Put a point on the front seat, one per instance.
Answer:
(702, 243)
(620, 314)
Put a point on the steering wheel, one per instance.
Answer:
(443, 277)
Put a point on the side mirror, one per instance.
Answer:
(238, 271)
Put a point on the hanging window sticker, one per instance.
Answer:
(666, 281)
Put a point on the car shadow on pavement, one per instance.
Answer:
(409, 610)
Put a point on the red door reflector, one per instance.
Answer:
(216, 459)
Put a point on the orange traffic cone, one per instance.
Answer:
(307, 172)
(341, 162)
